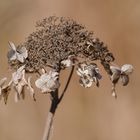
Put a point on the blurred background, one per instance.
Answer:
(84, 114)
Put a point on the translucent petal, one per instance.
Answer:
(16, 76)
(39, 83)
(20, 57)
(32, 93)
(11, 55)
(67, 63)
(23, 51)
(115, 69)
(2, 81)
(127, 69)
(48, 82)
(12, 52)
(53, 74)
(12, 46)
(124, 79)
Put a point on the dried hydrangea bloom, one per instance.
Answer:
(59, 43)
(88, 74)
(19, 83)
(122, 74)
(48, 82)
(19, 54)
(56, 39)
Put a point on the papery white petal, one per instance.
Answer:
(23, 51)
(82, 71)
(127, 69)
(12, 46)
(17, 97)
(16, 76)
(79, 72)
(2, 81)
(39, 83)
(20, 57)
(53, 84)
(115, 69)
(53, 74)
(12, 52)
(67, 63)
(48, 82)
(19, 54)
(12, 55)
(32, 93)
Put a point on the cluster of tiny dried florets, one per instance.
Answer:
(58, 38)
(59, 43)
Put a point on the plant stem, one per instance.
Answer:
(55, 100)
(68, 81)
(48, 126)
(49, 122)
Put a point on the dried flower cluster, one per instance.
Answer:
(60, 43)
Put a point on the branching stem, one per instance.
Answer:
(55, 100)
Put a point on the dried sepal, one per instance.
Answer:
(88, 73)
(48, 82)
(127, 69)
(17, 76)
(4, 89)
(124, 79)
(20, 83)
(31, 90)
(121, 74)
(19, 54)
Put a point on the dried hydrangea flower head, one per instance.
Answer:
(122, 74)
(59, 43)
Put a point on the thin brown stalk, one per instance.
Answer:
(55, 100)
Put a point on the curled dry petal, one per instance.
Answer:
(2, 82)
(16, 76)
(48, 82)
(124, 79)
(19, 83)
(32, 92)
(4, 89)
(122, 74)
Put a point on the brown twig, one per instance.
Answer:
(55, 100)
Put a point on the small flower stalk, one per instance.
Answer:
(59, 43)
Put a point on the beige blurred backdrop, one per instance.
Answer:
(84, 114)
